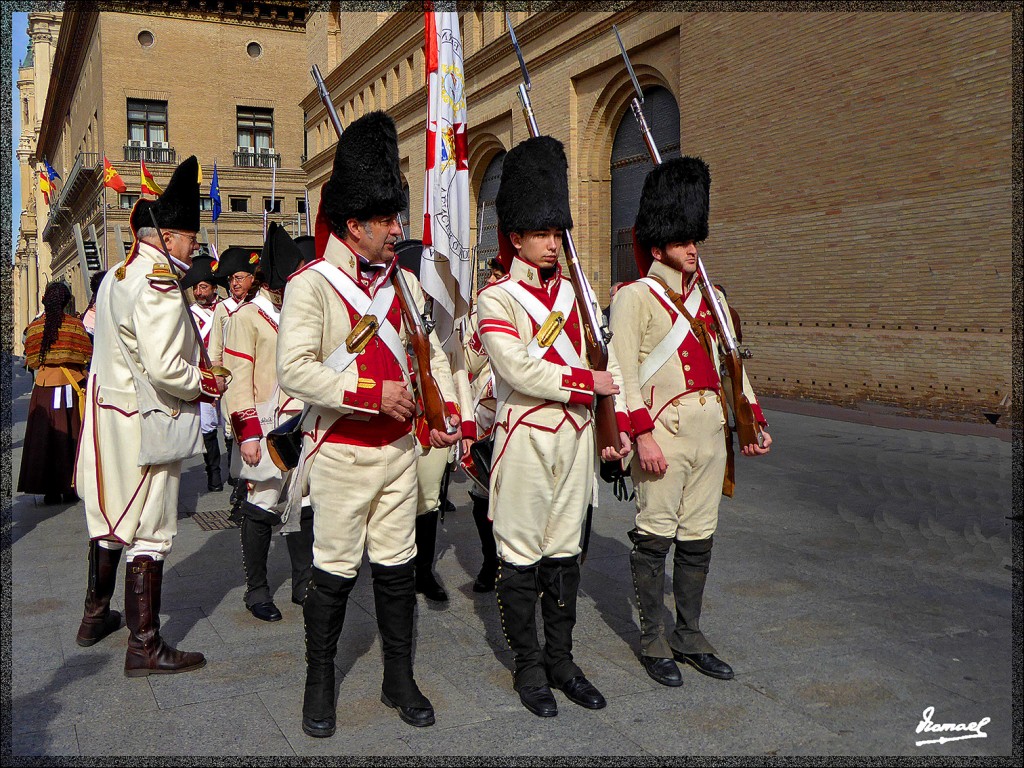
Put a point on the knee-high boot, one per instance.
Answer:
(148, 654)
(691, 564)
(560, 582)
(394, 597)
(323, 614)
(647, 563)
(255, 533)
(426, 540)
(517, 601)
(98, 620)
(211, 455)
(300, 552)
(485, 528)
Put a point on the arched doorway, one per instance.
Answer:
(630, 165)
(488, 235)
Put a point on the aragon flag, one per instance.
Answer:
(111, 178)
(148, 183)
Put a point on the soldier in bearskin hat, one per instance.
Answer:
(129, 466)
(256, 405)
(342, 350)
(542, 470)
(201, 280)
(666, 344)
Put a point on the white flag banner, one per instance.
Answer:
(446, 269)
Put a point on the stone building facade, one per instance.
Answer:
(861, 207)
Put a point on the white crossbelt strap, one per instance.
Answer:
(267, 306)
(203, 317)
(539, 313)
(341, 358)
(669, 345)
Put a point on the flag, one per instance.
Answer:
(215, 193)
(446, 270)
(148, 183)
(111, 178)
(52, 174)
(45, 186)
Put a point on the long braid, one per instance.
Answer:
(55, 299)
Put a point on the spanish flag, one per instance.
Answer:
(45, 186)
(148, 184)
(111, 178)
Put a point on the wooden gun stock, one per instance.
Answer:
(747, 428)
(433, 402)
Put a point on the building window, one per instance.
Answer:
(205, 203)
(254, 49)
(255, 127)
(127, 201)
(146, 38)
(147, 122)
(239, 204)
(277, 205)
(300, 205)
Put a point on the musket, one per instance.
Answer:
(596, 334)
(430, 393)
(746, 424)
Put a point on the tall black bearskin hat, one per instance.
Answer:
(366, 180)
(674, 207)
(533, 193)
(280, 257)
(177, 207)
(201, 271)
(307, 247)
(233, 260)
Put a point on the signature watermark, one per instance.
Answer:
(973, 730)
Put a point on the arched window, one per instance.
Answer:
(629, 167)
(488, 235)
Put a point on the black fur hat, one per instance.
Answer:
(534, 189)
(200, 272)
(234, 260)
(280, 257)
(177, 207)
(674, 206)
(366, 180)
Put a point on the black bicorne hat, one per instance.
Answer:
(366, 180)
(280, 257)
(674, 207)
(201, 271)
(307, 247)
(177, 207)
(234, 260)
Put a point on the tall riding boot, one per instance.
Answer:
(300, 552)
(98, 620)
(323, 614)
(485, 528)
(692, 562)
(211, 455)
(147, 653)
(228, 442)
(426, 539)
(394, 597)
(647, 562)
(256, 529)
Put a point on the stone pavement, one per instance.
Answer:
(861, 575)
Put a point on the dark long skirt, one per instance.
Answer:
(51, 442)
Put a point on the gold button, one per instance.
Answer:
(99, 400)
(175, 412)
(703, 391)
(675, 401)
(686, 367)
(362, 367)
(685, 353)
(689, 382)
(702, 401)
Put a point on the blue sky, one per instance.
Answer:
(19, 44)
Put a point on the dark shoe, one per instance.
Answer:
(98, 620)
(233, 481)
(539, 700)
(214, 487)
(707, 664)
(52, 498)
(662, 671)
(70, 498)
(265, 611)
(581, 691)
(419, 716)
(427, 586)
(211, 455)
(318, 729)
(484, 581)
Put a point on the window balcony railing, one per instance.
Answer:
(136, 151)
(260, 158)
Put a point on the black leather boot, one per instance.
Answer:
(323, 614)
(211, 455)
(485, 528)
(228, 442)
(255, 532)
(517, 589)
(647, 563)
(426, 539)
(300, 552)
(394, 597)
(691, 564)
(98, 620)
(560, 580)
(147, 653)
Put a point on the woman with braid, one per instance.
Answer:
(58, 349)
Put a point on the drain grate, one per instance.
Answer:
(214, 520)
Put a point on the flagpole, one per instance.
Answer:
(103, 195)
